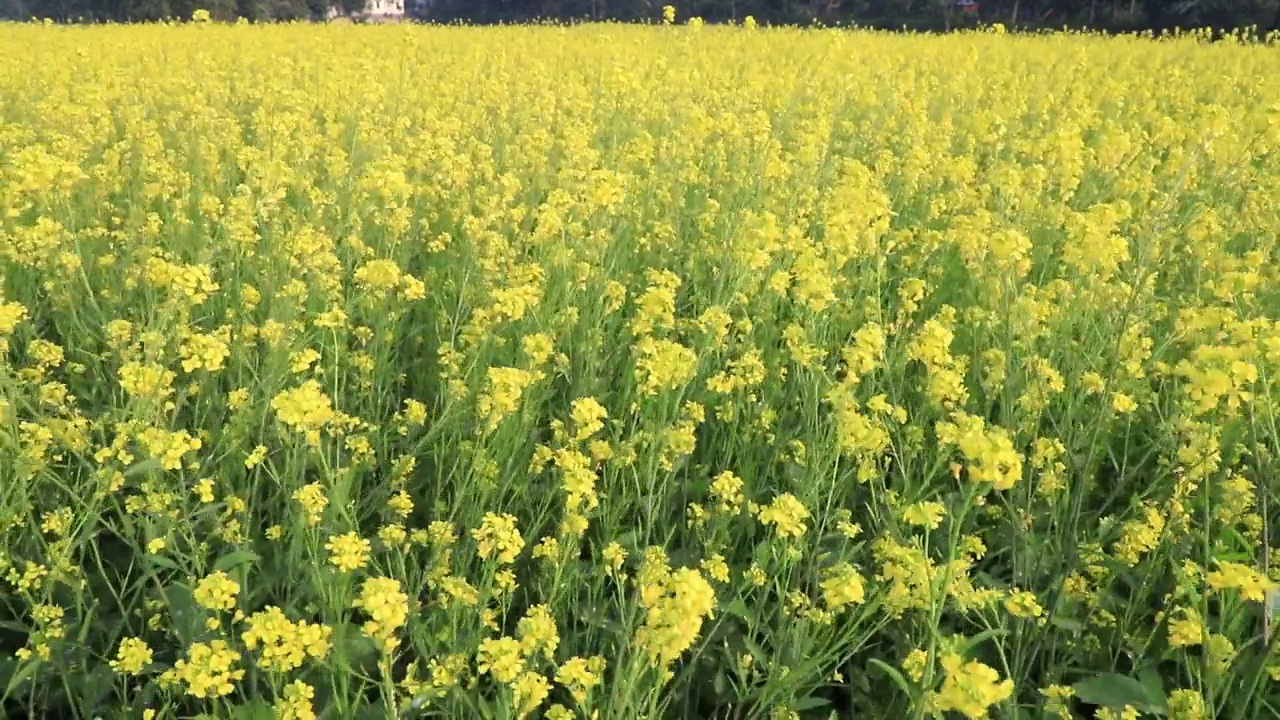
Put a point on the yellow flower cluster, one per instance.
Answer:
(970, 688)
(738, 357)
(217, 592)
(498, 538)
(676, 605)
(282, 644)
(387, 609)
(209, 670)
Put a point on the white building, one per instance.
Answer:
(384, 9)
(374, 11)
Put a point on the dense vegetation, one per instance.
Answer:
(1114, 15)
(625, 372)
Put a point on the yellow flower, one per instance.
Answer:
(1092, 383)
(455, 589)
(1251, 584)
(1058, 701)
(348, 551)
(925, 514)
(663, 365)
(238, 398)
(301, 361)
(501, 397)
(217, 592)
(1139, 537)
(209, 669)
(132, 656)
(304, 408)
(284, 644)
(843, 586)
(169, 447)
(538, 347)
(1186, 705)
(379, 277)
(548, 548)
(970, 688)
(387, 610)
(11, 315)
(313, 501)
(1186, 629)
(614, 556)
(208, 352)
(1123, 404)
(296, 703)
(1023, 604)
(914, 664)
(256, 457)
(581, 676)
(498, 537)
(1219, 653)
(537, 632)
(528, 693)
(786, 514)
(675, 612)
(716, 568)
(501, 657)
(148, 381)
(989, 452)
(588, 417)
(393, 535)
(726, 488)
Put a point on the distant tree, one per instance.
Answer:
(918, 14)
(14, 10)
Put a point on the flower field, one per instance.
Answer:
(621, 372)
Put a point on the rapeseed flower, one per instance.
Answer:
(348, 551)
(209, 670)
(387, 610)
(498, 538)
(970, 688)
(786, 514)
(217, 592)
(132, 656)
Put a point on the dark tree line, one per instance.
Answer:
(147, 10)
(1116, 15)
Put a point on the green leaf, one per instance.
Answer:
(236, 559)
(257, 709)
(161, 561)
(980, 638)
(758, 656)
(1114, 691)
(738, 608)
(354, 647)
(1066, 623)
(142, 467)
(96, 686)
(187, 617)
(1154, 685)
(893, 674)
(809, 703)
(24, 671)
(762, 553)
